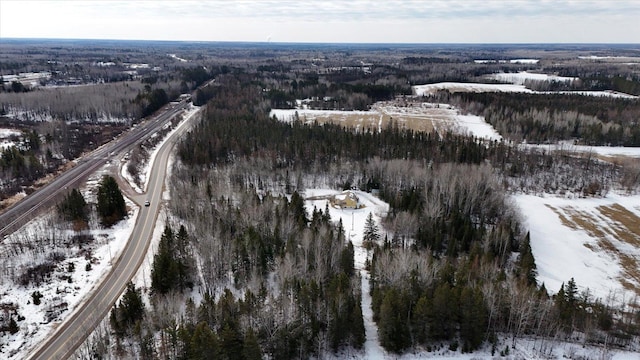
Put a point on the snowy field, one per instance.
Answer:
(594, 240)
(430, 89)
(603, 151)
(5, 134)
(520, 77)
(416, 116)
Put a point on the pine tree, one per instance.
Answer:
(473, 318)
(129, 312)
(232, 342)
(204, 343)
(73, 207)
(164, 271)
(526, 263)
(371, 235)
(356, 322)
(13, 326)
(251, 349)
(131, 305)
(393, 325)
(111, 206)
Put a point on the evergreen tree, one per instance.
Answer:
(526, 263)
(232, 342)
(204, 344)
(393, 326)
(251, 349)
(131, 305)
(356, 322)
(371, 234)
(73, 207)
(165, 270)
(13, 326)
(297, 209)
(129, 312)
(473, 318)
(111, 206)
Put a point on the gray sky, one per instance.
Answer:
(370, 21)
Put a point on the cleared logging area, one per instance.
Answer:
(617, 233)
(422, 117)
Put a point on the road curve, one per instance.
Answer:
(72, 333)
(29, 207)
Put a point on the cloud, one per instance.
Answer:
(327, 21)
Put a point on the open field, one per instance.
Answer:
(417, 116)
(595, 241)
(453, 87)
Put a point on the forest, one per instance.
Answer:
(549, 118)
(452, 264)
(244, 270)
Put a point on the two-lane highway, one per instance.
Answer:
(25, 210)
(72, 333)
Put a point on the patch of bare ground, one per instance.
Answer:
(613, 226)
(374, 121)
(563, 218)
(625, 223)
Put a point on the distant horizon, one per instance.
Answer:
(330, 21)
(52, 39)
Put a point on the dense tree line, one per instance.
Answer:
(545, 118)
(172, 268)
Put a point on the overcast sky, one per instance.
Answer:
(373, 21)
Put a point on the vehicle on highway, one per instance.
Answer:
(147, 203)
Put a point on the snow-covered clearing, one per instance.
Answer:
(60, 295)
(420, 116)
(430, 89)
(5, 134)
(596, 241)
(602, 151)
(520, 77)
(177, 58)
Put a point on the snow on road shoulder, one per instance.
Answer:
(60, 296)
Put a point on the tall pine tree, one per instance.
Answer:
(111, 206)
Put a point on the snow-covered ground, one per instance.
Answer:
(520, 77)
(582, 238)
(106, 249)
(429, 89)
(608, 151)
(437, 116)
(5, 134)
(33, 329)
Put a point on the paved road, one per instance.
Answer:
(72, 333)
(43, 199)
